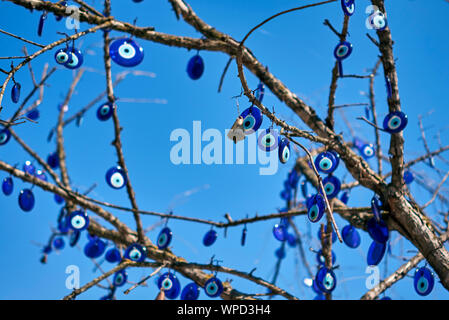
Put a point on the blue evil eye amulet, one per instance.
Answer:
(213, 287)
(170, 284)
(395, 122)
(252, 120)
(126, 52)
(116, 177)
(71, 58)
(315, 208)
(136, 252)
(195, 67)
(164, 238)
(423, 281)
(348, 7)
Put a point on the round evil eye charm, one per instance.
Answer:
(58, 243)
(62, 56)
(423, 281)
(53, 160)
(15, 92)
(395, 122)
(126, 52)
(76, 58)
(378, 230)
(113, 255)
(170, 284)
(78, 220)
(5, 135)
(105, 111)
(252, 120)
(284, 150)
(190, 292)
(26, 200)
(351, 236)
(213, 287)
(332, 186)
(136, 253)
(378, 21)
(209, 238)
(94, 248)
(343, 50)
(326, 162)
(120, 278)
(268, 140)
(376, 252)
(408, 177)
(195, 67)
(367, 151)
(326, 280)
(315, 208)
(280, 232)
(164, 238)
(348, 7)
(116, 177)
(7, 186)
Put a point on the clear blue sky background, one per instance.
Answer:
(298, 50)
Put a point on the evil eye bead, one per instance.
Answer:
(378, 230)
(120, 278)
(75, 60)
(15, 92)
(26, 200)
(260, 93)
(376, 252)
(280, 232)
(126, 52)
(40, 26)
(113, 255)
(332, 186)
(408, 177)
(94, 248)
(284, 150)
(243, 237)
(105, 111)
(322, 260)
(378, 21)
(344, 197)
(53, 160)
(195, 67)
(326, 280)
(164, 238)
(5, 135)
(367, 151)
(280, 253)
(58, 199)
(376, 206)
(395, 122)
(209, 238)
(74, 237)
(342, 50)
(33, 114)
(326, 162)
(58, 243)
(170, 284)
(116, 178)
(79, 220)
(190, 292)
(348, 7)
(213, 287)
(136, 253)
(351, 236)
(252, 120)
(423, 281)
(41, 175)
(29, 168)
(62, 56)
(268, 140)
(315, 208)
(7, 186)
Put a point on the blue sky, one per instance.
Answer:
(298, 50)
